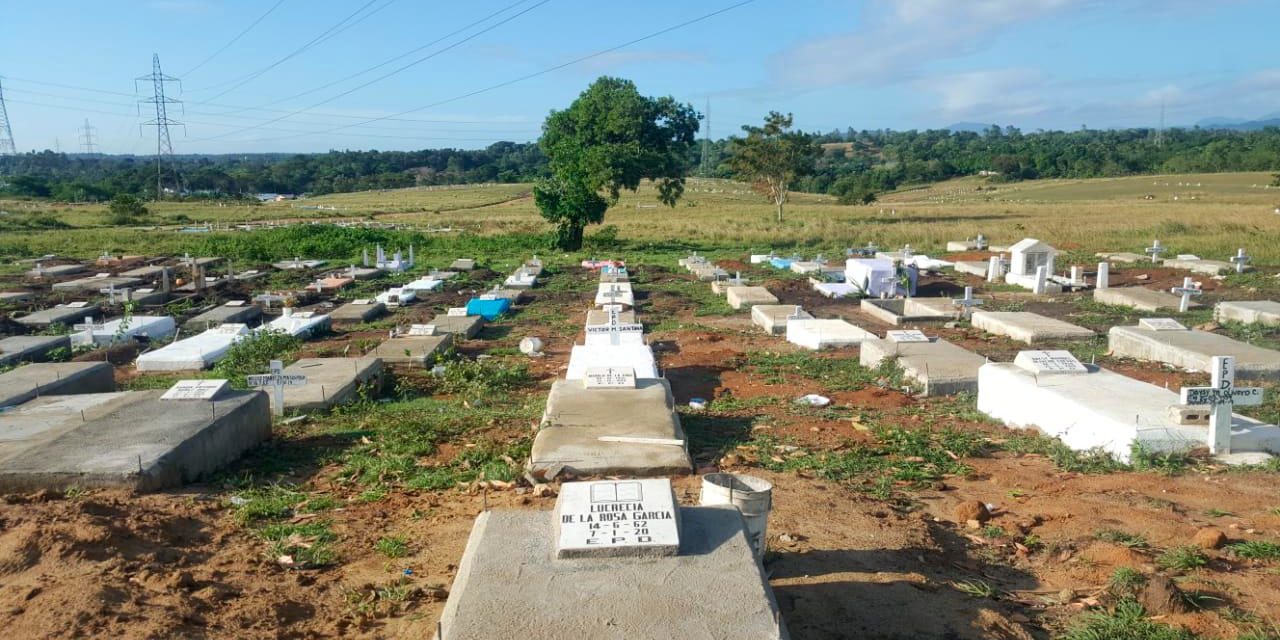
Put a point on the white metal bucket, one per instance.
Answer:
(751, 495)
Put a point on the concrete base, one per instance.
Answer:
(898, 311)
(130, 439)
(510, 585)
(1103, 410)
(709, 272)
(1125, 257)
(820, 334)
(600, 317)
(973, 268)
(1029, 283)
(837, 289)
(635, 356)
(514, 296)
(330, 382)
(93, 285)
(576, 418)
(350, 313)
(1204, 267)
(223, 314)
(1263, 312)
(16, 297)
(54, 379)
(462, 264)
(463, 327)
(773, 317)
(938, 367)
(739, 297)
(60, 314)
(195, 353)
(299, 325)
(30, 348)
(1192, 349)
(55, 271)
(1028, 327)
(1138, 298)
(414, 351)
(719, 287)
(117, 331)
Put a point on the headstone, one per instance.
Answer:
(1155, 250)
(1240, 260)
(1161, 324)
(1049, 362)
(79, 304)
(422, 330)
(1221, 396)
(195, 390)
(1104, 275)
(995, 268)
(1187, 290)
(277, 380)
(981, 243)
(910, 335)
(611, 518)
(610, 378)
(968, 301)
(1042, 276)
(457, 312)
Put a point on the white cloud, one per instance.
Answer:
(988, 92)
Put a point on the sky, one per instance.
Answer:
(315, 75)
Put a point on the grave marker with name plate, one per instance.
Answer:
(457, 312)
(906, 335)
(610, 378)
(195, 390)
(615, 518)
(422, 330)
(362, 301)
(1161, 324)
(1049, 362)
(234, 303)
(78, 305)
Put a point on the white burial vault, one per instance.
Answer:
(822, 333)
(197, 352)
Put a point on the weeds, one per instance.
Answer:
(1115, 536)
(1184, 558)
(1128, 620)
(1256, 550)
(392, 546)
(975, 588)
(1126, 582)
(310, 544)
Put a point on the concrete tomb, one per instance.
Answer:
(1197, 265)
(357, 312)
(1139, 298)
(197, 352)
(1122, 256)
(429, 283)
(973, 268)
(1192, 349)
(16, 297)
(124, 329)
(17, 349)
(615, 293)
(900, 311)
(329, 382)
(397, 297)
(937, 366)
(463, 327)
(298, 264)
(54, 378)
(603, 317)
(463, 264)
(300, 324)
(739, 297)
(1263, 312)
(1024, 326)
(874, 277)
(141, 440)
(232, 312)
(823, 333)
(773, 318)
(489, 306)
(54, 271)
(637, 357)
(709, 272)
(411, 350)
(67, 314)
(95, 284)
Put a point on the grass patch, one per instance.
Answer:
(310, 544)
(975, 588)
(835, 374)
(392, 546)
(1091, 462)
(1184, 558)
(1125, 582)
(1256, 550)
(1115, 536)
(1127, 621)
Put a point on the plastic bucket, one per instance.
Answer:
(751, 495)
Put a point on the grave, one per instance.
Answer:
(1030, 263)
(873, 277)
(973, 268)
(521, 279)
(122, 329)
(429, 283)
(636, 357)
(1263, 312)
(1122, 256)
(689, 572)
(805, 267)
(148, 272)
(1092, 408)
(137, 440)
(602, 264)
(533, 266)
(360, 273)
(330, 284)
(709, 272)
(718, 287)
(1024, 326)
(17, 349)
(773, 318)
(149, 297)
(739, 297)
(232, 312)
(463, 264)
(899, 311)
(298, 264)
(329, 382)
(197, 352)
(778, 262)
(1197, 265)
(357, 312)
(300, 324)
(1173, 344)
(67, 314)
(614, 333)
(627, 430)
(54, 271)
(1139, 298)
(823, 333)
(836, 289)
(397, 297)
(94, 284)
(600, 317)
(415, 351)
(937, 366)
(54, 378)
(16, 297)
(464, 327)
(513, 296)
(977, 244)
(615, 293)
(489, 306)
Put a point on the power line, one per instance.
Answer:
(7, 147)
(164, 147)
(86, 138)
(235, 39)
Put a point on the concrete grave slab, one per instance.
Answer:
(937, 366)
(353, 313)
(1193, 349)
(54, 378)
(397, 297)
(1263, 312)
(901, 311)
(61, 314)
(17, 349)
(973, 268)
(129, 439)
(424, 284)
(773, 317)
(148, 272)
(15, 297)
(1205, 267)
(615, 293)
(626, 431)
(412, 350)
(360, 273)
(837, 289)
(463, 327)
(463, 264)
(1028, 327)
(301, 324)
(1139, 298)
(298, 264)
(1124, 256)
(521, 279)
(197, 352)
(600, 317)
(119, 330)
(823, 333)
(330, 382)
(629, 597)
(55, 271)
(94, 284)
(740, 297)
(638, 357)
(229, 313)
(514, 296)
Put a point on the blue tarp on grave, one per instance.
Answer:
(781, 263)
(488, 309)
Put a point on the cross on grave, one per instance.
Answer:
(111, 293)
(89, 325)
(906, 254)
(981, 243)
(892, 289)
(967, 303)
(278, 381)
(1240, 259)
(1187, 290)
(1221, 396)
(1155, 250)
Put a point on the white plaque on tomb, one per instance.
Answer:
(422, 330)
(908, 335)
(610, 378)
(234, 303)
(362, 301)
(612, 308)
(304, 314)
(611, 518)
(102, 275)
(148, 290)
(231, 329)
(619, 328)
(78, 305)
(195, 390)
(1049, 362)
(488, 296)
(1161, 324)
(457, 312)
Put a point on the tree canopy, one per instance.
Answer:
(611, 138)
(772, 157)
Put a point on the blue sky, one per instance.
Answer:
(868, 64)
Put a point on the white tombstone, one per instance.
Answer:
(1049, 362)
(1042, 276)
(1027, 256)
(1104, 275)
(617, 518)
(995, 268)
(1187, 290)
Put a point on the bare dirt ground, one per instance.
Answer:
(842, 563)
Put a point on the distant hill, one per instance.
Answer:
(1235, 124)
(969, 127)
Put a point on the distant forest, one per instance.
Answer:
(854, 165)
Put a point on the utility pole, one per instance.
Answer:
(164, 148)
(706, 141)
(7, 148)
(86, 138)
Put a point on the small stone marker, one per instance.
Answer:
(89, 325)
(1241, 258)
(78, 304)
(422, 330)
(907, 335)
(995, 268)
(362, 301)
(234, 303)
(1049, 362)
(457, 312)
(1104, 275)
(1221, 396)
(1042, 276)
(615, 518)
(1155, 250)
(1187, 290)
(967, 303)
(1160, 324)
(610, 378)
(195, 390)
(277, 380)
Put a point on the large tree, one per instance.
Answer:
(611, 138)
(772, 157)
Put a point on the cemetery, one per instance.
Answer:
(1260, 312)
(30, 381)
(15, 349)
(327, 382)
(936, 366)
(1166, 341)
(197, 352)
(357, 311)
(1028, 327)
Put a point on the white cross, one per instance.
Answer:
(1240, 260)
(906, 254)
(967, 302)
(1187, 290)
(1155, 250)
(1220, 397)
(278, 381)
(89, 325)
(981, 243)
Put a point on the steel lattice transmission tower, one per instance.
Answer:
(7, 148)
(86, 137)
(164, 148)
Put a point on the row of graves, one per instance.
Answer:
(623, 558)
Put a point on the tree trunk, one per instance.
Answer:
(569, 235)
(779, 203)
